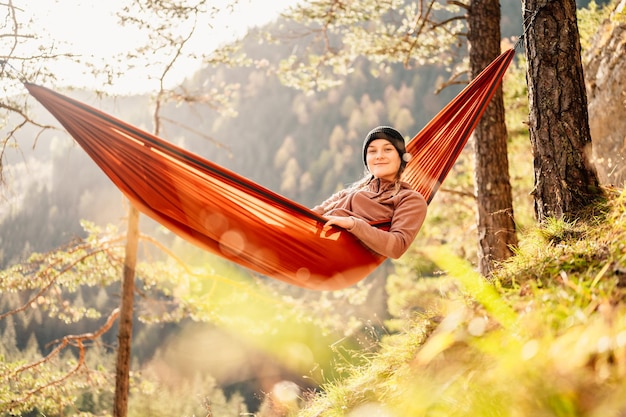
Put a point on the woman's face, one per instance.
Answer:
(383, 160)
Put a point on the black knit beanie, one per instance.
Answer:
(393, 136)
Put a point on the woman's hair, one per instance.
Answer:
(368, 178)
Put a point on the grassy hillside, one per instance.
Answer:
(547, 337)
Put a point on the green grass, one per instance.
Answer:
(545, 337)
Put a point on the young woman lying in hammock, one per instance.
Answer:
(381, 195)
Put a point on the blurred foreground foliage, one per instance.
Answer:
(545, 336)
(202, 325)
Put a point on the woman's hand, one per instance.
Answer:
(341, 221)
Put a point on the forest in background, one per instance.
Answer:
(302, 147)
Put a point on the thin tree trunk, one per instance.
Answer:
(125, 332)
(496, 225)
(565, 180)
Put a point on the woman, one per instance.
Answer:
(381, 195)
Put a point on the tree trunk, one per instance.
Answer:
(124, 337)
(496, 225)
(565, 179)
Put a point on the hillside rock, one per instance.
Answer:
(605, 74)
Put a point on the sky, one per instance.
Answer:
(90, 28)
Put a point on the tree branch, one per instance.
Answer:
(71, 340)
(53, 277)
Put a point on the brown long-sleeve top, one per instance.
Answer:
(406, 210)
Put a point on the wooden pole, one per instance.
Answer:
(124, 337)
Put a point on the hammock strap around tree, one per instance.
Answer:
(243, 222)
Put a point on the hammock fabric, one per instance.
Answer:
(228, 215)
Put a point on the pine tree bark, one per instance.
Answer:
(496, 225)
(125, 332)
(565, 179)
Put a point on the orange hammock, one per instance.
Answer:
(243, 222)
